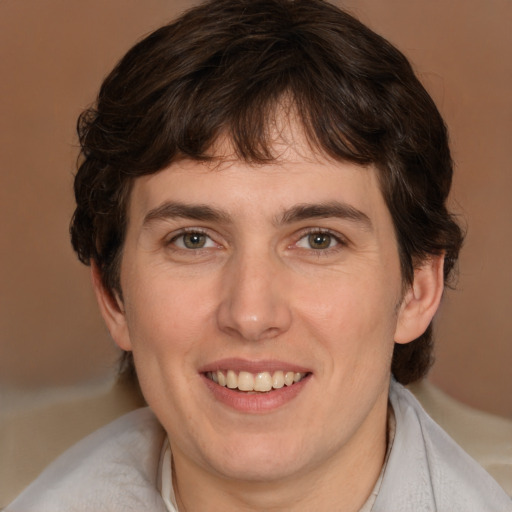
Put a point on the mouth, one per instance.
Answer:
(261, 382)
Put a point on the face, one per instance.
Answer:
(261, 304)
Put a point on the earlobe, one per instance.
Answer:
(421, 300)
(112, 310)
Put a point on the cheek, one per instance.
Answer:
(352, 322)
(164, 316)
(350, 305)
(163, 326)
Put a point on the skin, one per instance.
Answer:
(258, 290)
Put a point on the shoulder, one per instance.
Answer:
(484, 436)
(114, 468)
(428, 469)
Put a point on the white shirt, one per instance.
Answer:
(116, 469)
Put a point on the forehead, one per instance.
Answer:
(297, 174)
(240, 191)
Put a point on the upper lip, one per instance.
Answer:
(253, 366)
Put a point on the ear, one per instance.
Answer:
(112, 310)
(421, 300)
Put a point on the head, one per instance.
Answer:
(262, 196)
(227, 71)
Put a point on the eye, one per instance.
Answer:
(193, 240)
(318, 241)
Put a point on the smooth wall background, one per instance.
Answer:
(53, 56)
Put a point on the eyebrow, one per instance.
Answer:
(297, 213)
(333, 209)
(172, 210)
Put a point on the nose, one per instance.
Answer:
(254, 303)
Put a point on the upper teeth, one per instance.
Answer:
(263, 381)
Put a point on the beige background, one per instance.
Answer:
(53, 56)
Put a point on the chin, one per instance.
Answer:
(260, 460)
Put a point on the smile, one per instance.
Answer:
(259, 382)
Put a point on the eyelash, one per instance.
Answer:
(340, 241)
(188, 231)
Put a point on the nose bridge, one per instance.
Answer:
(253, 304)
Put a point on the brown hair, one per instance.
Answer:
(222, 69)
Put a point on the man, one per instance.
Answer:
(262, 201)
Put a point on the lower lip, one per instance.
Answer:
(255, 402)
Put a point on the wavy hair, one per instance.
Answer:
(222, 69)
